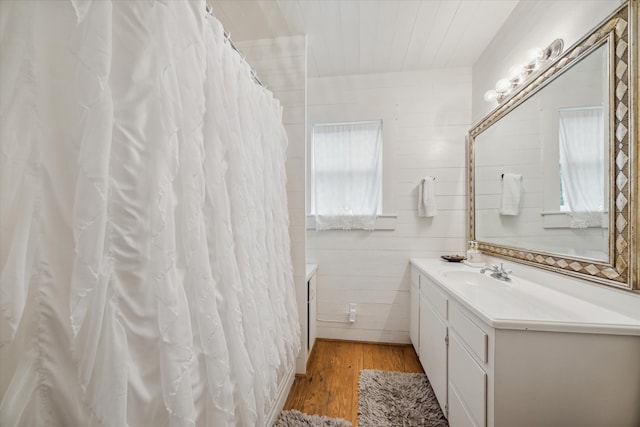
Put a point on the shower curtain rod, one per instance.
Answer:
(227, 35)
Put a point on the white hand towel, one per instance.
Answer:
(427, 197)
(511, 192)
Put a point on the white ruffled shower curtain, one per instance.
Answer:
(146, 271)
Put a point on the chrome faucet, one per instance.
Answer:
(498, 272)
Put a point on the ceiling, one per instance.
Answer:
(371, 36)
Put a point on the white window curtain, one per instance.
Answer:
(582, 164)
(346, 175)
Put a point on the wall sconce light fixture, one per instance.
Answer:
(536, 58)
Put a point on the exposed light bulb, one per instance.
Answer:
(515, 72)
(554, 49)
(490, 95)
(534, 54)
(529, 68)
(503, 85)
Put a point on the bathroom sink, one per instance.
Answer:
(473, 278)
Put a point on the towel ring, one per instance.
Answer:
(502, 177)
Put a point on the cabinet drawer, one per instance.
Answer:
(435, 296)
(474, 337)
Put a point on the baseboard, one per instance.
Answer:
(281, 398)
(397, 344)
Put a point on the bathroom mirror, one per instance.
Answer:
(564, 144)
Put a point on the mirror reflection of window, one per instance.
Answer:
(582, 154)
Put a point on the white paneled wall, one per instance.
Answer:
(427, 114)
(281, 65)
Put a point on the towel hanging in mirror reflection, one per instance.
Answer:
(511, 194)
(502, 177)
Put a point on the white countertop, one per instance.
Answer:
(310, 271)
(522, 304)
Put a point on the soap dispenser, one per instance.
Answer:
(474, 257)
(469, 250)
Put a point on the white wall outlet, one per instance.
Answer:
(352, 312)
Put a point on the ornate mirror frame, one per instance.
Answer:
(620, 31)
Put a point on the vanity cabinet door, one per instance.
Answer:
(312, 309)
(433, 350)
(414, 314)
(467, 387)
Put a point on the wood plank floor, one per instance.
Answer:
(331, 385)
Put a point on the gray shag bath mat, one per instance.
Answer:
(295, 418)
(397, 399)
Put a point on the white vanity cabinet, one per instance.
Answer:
(311, 311)
(434, 337)
(468, 348)
(525, 371)
(453, 353)
(414, 310)
(310, 332)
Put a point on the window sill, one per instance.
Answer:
(562, 219)
(383, 222)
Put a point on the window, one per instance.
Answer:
(346, 175)
(564, 206)
(582, 168)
